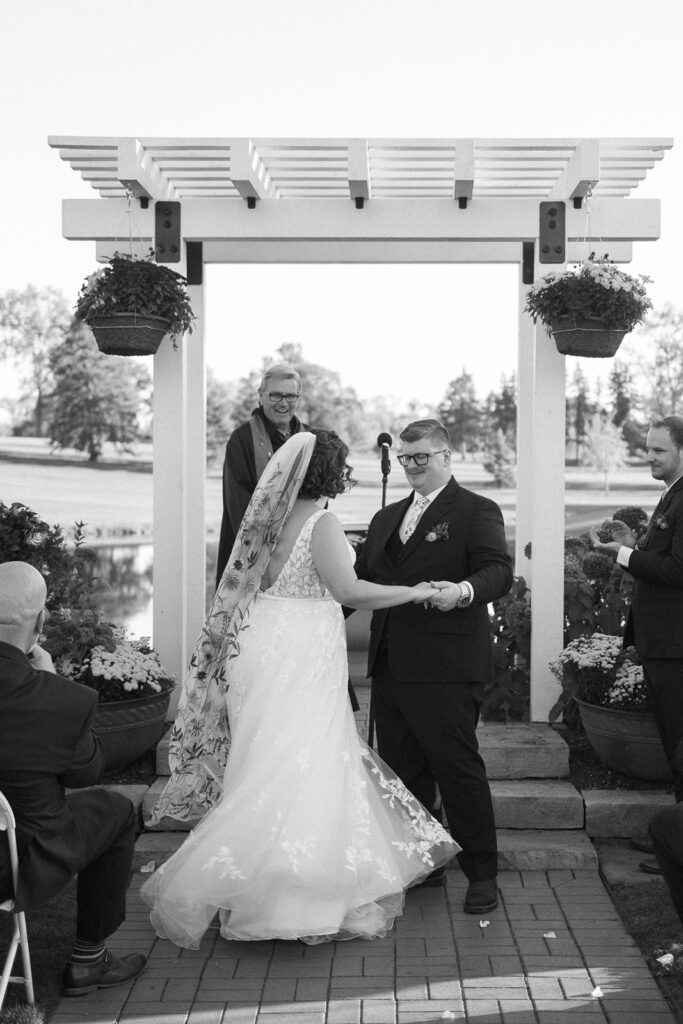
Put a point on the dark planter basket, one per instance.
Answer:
(585, 336)
(127, 334)
(626, 740)
(128, 728)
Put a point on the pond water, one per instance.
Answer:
(127, 570)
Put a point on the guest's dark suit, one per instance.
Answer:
(429, 668)
(47, 744)
(655, 623)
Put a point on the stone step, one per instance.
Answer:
(518, 850)
(517, 751)
(536, 804)
(615, 813)
(518, 804)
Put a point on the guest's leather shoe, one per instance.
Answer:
(437, 877)
(642, 843)
(481, 896)
(111, 970)
(650, 867)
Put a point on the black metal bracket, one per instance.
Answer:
(360, 202)
(144, 202)
(527, 262)
(251, 202)
(578, 202)
(462, 202)
(194, 261)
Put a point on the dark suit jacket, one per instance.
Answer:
(427, 645)
(240, 479)
(46, 744)
(655, 623)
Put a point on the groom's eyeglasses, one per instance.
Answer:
(277, 396)
(420, 458)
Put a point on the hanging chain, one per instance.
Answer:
(129, 218)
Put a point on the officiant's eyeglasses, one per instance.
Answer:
(277, 396)
(420, 458)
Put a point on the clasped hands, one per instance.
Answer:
(622, 536)
(441, 594)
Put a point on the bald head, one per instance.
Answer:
(22, 599)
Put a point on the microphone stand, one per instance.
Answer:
(384, 442)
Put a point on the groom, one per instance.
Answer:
(429, 666)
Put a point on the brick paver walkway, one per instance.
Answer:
(555, 950)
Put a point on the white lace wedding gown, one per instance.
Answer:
(314, 838)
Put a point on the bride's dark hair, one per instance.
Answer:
(328, 472)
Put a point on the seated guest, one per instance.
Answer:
(47, 744)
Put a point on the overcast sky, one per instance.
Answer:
(336, 68)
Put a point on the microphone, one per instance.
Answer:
(384, 441)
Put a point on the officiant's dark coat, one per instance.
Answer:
(437, 662)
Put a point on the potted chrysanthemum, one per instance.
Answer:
(133, 686)
(130, 304)
(606, 682)
(589, 308)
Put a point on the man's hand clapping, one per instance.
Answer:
(622, 536)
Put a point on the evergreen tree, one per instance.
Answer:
(606, 448)
(96, 398)
(460, 413)
(502, 408)
(500, 459)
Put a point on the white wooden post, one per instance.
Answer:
(547, 521)
(179, 485)
(526, 355)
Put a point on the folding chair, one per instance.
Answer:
(19, 936)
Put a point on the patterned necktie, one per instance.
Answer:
(412, 518)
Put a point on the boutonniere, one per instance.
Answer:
(661, 522)
(438, 532)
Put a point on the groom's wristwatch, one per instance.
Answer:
(466, 596)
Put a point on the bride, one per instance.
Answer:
(308, 834)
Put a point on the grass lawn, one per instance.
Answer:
(115, 499)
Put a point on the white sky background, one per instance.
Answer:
(336, 68)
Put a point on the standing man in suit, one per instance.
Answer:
(429, 666)
(47, 744)
(656, 614)
(251, 446)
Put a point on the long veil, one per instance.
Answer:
(200, 739)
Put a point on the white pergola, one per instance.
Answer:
(361, 201)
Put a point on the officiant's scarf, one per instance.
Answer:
(200, 739)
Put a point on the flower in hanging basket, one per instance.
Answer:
(595, 290)
(125, 669)
(140, 288)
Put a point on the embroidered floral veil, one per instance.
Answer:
(200, 739)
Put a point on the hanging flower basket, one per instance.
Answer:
(590, 308)
(130, 304)
(126, 334)
(585, 336)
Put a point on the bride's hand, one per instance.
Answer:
(422, 593)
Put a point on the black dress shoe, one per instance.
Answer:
(642, 843)
(650, 867)
(111, 970)
(481, 896)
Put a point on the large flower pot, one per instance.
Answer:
(626, 740)
(128, 728)
(127, 334)
(585, 336)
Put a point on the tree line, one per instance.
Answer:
(78, 398)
